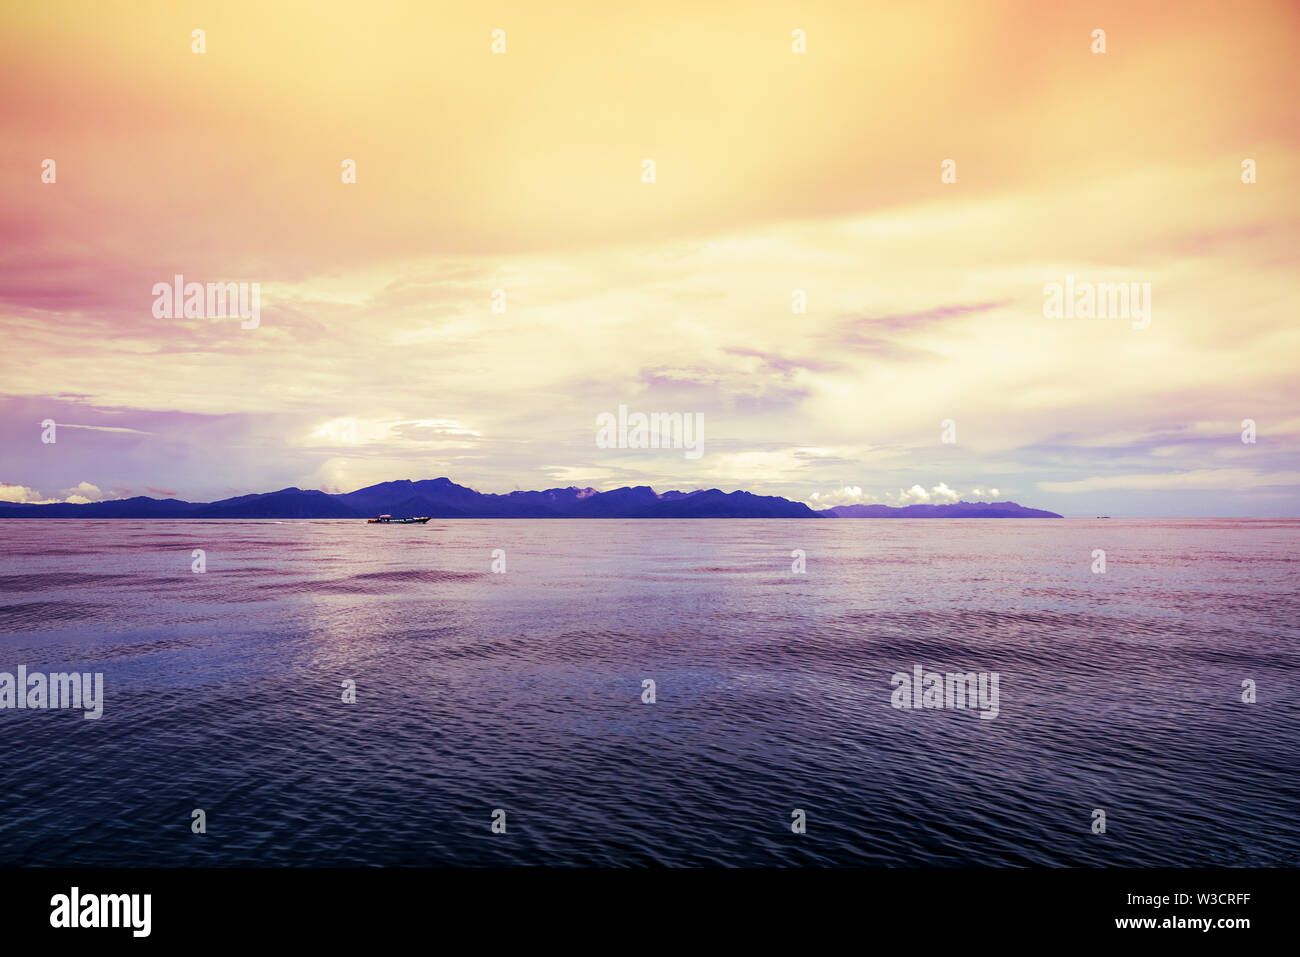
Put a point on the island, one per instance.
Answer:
(443, 498)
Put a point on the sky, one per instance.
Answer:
(501, 273)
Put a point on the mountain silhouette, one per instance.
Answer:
(443, 498)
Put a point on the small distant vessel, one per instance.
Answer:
(389, 520)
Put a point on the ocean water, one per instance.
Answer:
(522, 691)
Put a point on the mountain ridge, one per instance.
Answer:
(443, 498)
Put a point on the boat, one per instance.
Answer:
(389, 520)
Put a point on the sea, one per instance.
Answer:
(654, 693)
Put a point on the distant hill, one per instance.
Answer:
(286, 503)
(443, 498)
(138, 507)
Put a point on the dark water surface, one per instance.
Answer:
(522, 691)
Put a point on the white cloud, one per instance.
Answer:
(917, 495)
(22, 495)
(102, 428)
(82, 493)
(848, 495)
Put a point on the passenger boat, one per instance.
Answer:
(389, 520)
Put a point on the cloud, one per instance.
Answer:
(101, 428)
(916, 495)
(22, 495)
(82, 493)
(848, 495)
